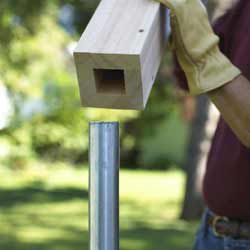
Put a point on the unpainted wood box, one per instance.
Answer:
(119, 53)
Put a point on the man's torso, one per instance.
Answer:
(227, 179)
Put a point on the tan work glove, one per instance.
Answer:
(196, 47)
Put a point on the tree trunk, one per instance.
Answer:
(193, 203)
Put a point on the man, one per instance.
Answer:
(222, 74)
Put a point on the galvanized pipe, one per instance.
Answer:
(104, 186)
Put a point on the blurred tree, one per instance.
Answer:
(193, 203)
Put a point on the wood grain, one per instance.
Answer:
(127, 38)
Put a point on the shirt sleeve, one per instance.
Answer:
(233, 30)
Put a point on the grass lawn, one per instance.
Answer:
(45, 208)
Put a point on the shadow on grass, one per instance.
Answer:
(138, 238)
(79, 242)
(169, 237)
(65, 230)
(13, 197)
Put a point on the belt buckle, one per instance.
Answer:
(215, 221)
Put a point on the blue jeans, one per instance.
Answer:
(206, 240)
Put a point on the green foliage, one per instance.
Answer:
(15, 148)
(19, 17)
(83, 10)
(167, 145)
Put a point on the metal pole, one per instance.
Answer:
(104, 186)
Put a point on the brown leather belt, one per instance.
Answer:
(224, 227)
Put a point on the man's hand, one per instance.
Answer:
(196, 47)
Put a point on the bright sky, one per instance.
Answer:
(6, 108)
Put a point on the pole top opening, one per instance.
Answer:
(103, 123)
